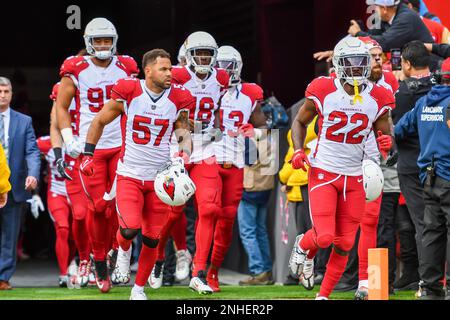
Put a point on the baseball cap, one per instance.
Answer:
(385, 3)
(446, 68)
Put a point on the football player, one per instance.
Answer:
(89, 80)
(60, 211)
(349, 107)
(207, 84)
(149, 110)
(240, 113)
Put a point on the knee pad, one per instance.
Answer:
(344, 245)
(340, 251)
(149, 242)
(129, 234)
(209, 210)
(324, 241)
(63, 231)
(370, 221)
(228, 213)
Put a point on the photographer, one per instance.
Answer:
(415, 61)
(428, 121)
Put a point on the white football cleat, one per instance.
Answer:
(83, 273)
(320, 297)
(307, 277)
(72, 270)
(122, 271)
(199, 284)
(297, 258)
(138, 295)
(156, 277)
(183, 266)
(362, 293)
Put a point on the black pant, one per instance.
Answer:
(386, 237)
(412, 190)
(408, 248)
(435, 233)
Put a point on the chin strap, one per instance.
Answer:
(357, 96)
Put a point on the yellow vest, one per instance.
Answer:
(5, 186)
(292, 178)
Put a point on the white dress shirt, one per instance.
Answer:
(6, 119)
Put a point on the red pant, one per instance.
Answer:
(205, 176)
(138, 207)
(78, 201)
(61, 214)
(175, 227)
(101, 213)
(232, 182)
(337, 203)
(368, 235)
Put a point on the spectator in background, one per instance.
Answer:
(399, 25)
(252, 215)
(427, 120)
(438, 31)
(415, 61)
(5, 186)
(19, 142)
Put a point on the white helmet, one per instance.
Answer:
(373, 180)
(200, 41)
(100, 28)
(230, 59)
(181, 54)
(349, 54)
(173, 185)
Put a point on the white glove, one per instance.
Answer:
(36, 205)
(212, 135)
(74, 148)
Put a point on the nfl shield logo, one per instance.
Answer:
(153, 107)
(321, 176)
(203, 86)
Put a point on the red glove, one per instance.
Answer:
(384, 143)
(247, 130)
(87, 165)
(299, 159)
(182, 155)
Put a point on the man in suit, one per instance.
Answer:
(19, 143)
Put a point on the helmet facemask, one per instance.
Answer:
(194, 59)
(353, 68)
(103, 54)
(233, 68)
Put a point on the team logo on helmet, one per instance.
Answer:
(169, 187)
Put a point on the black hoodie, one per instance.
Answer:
(408, 93)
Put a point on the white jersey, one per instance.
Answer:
(236, 108)
(94, 86)
(371, 150)
(343, 125)
(207, 93)
(56, 184)
(147, 125)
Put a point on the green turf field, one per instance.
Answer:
(178, 292)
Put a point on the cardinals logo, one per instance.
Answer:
(169, 187)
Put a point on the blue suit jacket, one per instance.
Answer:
(24, 156)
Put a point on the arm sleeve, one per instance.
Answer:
(5, 186)
(32, 154)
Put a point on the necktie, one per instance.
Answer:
(2, 135)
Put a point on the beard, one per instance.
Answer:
(376, 74)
